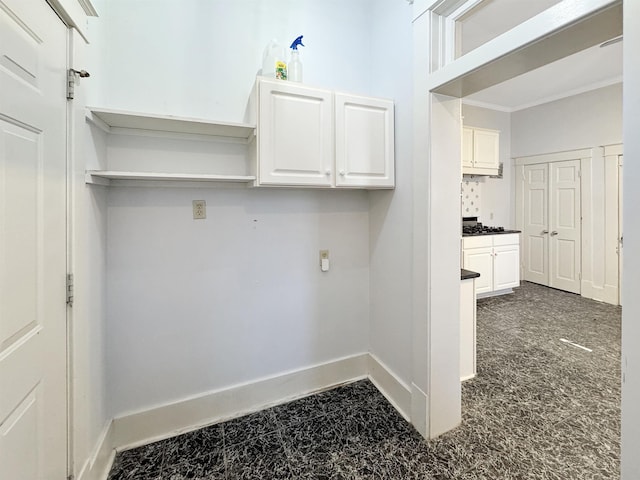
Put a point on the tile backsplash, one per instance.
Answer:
(471, 193)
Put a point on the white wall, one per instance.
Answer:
(496, 193)
(631, 312)
(200, 58)
(391, 256)
(200, 305)
(590, 119)
(196, 306)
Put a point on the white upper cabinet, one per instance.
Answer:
(295, 135)
(312, 137)
(480, 151)
(364, 142)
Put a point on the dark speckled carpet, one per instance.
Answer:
(540, 408)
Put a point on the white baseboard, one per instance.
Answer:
(419, 412)
(162, 422)
(495, 293)
(99, 463)
(168, 420)
(394, 389)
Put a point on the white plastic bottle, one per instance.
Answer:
(273, 61)
(295, 65)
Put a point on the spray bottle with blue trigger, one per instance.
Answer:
(295, 65)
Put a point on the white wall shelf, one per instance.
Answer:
(104, 177)
(126, 122)
(122, 122)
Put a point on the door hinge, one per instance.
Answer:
(70, 289)
(71, 81)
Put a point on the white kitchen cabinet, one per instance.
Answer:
(506, 267)
(313, 137)
(294, 135)
(364, 141)
(480, 260)
(496, 258)
(480, 151)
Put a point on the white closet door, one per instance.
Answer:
(535, 235)
(565, 226)
(33, 329)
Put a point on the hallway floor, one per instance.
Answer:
(540, 408)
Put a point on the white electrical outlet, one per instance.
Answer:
(199, 209)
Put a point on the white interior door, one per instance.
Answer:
(535, 235)
(565, 226)
(33, 420)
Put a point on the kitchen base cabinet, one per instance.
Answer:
(480, 260)
(496, 258)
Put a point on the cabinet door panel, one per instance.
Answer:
(486, 149)
(295, 136)
(480, 260)
(506, 267)
(364, 142)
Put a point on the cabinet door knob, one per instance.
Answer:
(327, 173)
(342, 173)
(554, 233)
(544, 232)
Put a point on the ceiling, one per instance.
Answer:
(586, 70)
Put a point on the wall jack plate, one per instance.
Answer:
(324, 260)
(199, 209)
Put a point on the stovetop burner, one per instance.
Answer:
(471, 226)
(480, 229)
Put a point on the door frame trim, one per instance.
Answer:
(554, 157)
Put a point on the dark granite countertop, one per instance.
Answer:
(484, 234)
(468, 274)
